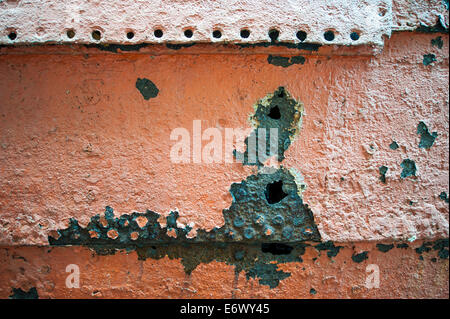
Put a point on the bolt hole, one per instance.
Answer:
(245, 33)
(188, 33)
(96, 35)
(130, 35)
(217, 34)
(70, 33)
(301, 35)
(158, 33)
(12, 35)
(274, 34)
(354, 36)
(329, 35)
(275, 113)
(276, 248)
(274, 192)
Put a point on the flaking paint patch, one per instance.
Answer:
(285, 61)
(147, 88)
(437, 42)
(18, 293)
(329, 246)
(439, 246)
(262, 201)
(357, 258)
(408, 168)
(267, 273)
(444, 196)
(393, 146)
(290, 45)
(383, 170)
(385, 248)
(426, 138)
(277, 110)
(428, 59)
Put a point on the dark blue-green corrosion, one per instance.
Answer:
(437, 42)
(440, 245)
(147, 88)
(18, 293)
(280, 112)
(428, 59)
(268, 274)
(444, 196)
(408, 168)
(252, 212)
(426, 138)
(285, 61)
(383, 170)
(385, 248)
(329, 247)
(357, 258)
(393, 145)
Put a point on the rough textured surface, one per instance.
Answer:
(402, 274)
(371, 19)
(359, 183)
(424, 15)
(76, 136)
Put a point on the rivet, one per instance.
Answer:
(249, 233)
(238, 221)
(278, 220)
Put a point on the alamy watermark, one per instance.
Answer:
(373, 277)
(223, 149)
(73, 279)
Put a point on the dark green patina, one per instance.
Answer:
(276, 111)
(357, 258)
(426, 139)
(428, 59)
(393, 145)
(437, 42)
(147, 88)
(285, 61)
(408, 168)
(385, 248)
(440, 246)
(329, 246)
(383, 170)
(444, 197)
(18, 293)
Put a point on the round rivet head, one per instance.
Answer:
(259, 219)
(299, 220)
(278, 220)
(230, 233)
(134, 235)
(240, 194)
(268, 231)
(287, 232)
(307, 231)
(93, 234)
(112, 233)
(249, 233)
(238, 221)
